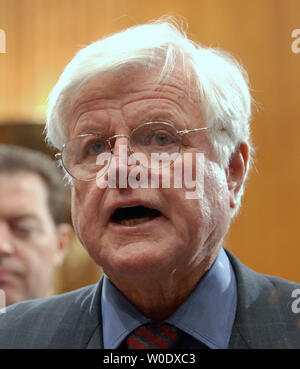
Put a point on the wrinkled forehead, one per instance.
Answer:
(132, 79)
(117, 81)
(111, 83)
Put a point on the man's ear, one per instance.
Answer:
(64, 234)
(236, 171)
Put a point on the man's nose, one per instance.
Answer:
(121, 151)
(119, 166)
(6, 246)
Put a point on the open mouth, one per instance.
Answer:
(130, 216)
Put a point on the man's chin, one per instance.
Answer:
(137, 261)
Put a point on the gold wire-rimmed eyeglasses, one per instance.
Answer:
(88, 156)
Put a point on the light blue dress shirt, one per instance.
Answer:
(207, 315)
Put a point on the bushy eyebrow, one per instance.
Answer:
(99, 130)
(104, 129)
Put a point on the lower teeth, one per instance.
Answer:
(130, 222)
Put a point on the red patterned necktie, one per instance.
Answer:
(156, 336)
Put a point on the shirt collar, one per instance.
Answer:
(207, 314)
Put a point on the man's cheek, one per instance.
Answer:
(188, 174)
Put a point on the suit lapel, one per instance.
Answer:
(262, 312)
(96, 338)
(81, 325)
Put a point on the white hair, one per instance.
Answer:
(222, 82)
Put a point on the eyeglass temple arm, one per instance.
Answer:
(57, 155)
(184, 131)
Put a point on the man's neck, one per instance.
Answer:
(157, 299)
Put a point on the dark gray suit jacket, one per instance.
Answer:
(264, 317)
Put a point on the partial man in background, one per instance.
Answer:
(34, 233)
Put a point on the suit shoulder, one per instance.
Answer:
(47, 304)
(259, 280)
(266, 316)
(29, 318)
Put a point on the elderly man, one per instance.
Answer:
(137, 117)
(34, 234)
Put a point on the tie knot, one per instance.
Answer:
(154, 336)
